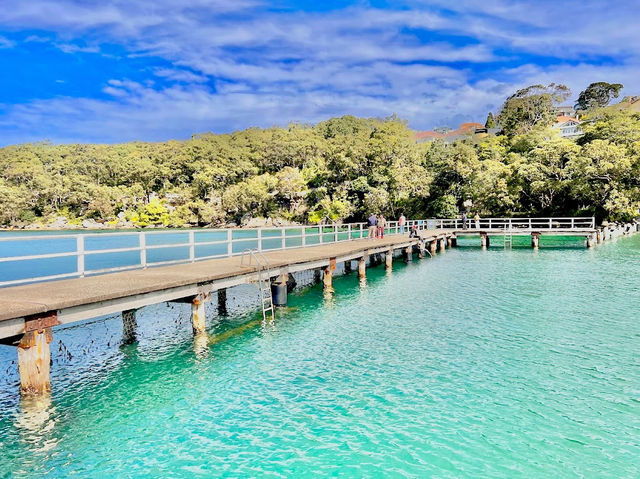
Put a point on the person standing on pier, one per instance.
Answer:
(401, 221)
(476, 218)
(373, 221)
(382, 224)
(464, 220)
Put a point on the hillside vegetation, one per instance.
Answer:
(340, 169)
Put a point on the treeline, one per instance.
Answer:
(340, 169)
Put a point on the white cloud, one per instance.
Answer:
(6, 43)
(226, 65)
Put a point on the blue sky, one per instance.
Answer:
(121, 70)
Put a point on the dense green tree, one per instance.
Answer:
(490, 122)
(597, 95)
(530, 107)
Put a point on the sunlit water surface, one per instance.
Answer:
(498, 363)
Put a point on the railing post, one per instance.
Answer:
(530, 227)
(304, 235)
(142, 244)
(349, 231)
(284, 238)
(80, 257)
(321, 231)
(489, 223)
(229, 243)
(259, 239)
(572, 222)
(335, 233)
(550, 224)
(192, 246)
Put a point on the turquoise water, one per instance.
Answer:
(497, 363)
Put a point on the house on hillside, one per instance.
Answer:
(569, 126)
(565, 110)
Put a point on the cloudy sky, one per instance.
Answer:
(120, 70)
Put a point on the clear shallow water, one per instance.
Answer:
(498, 363)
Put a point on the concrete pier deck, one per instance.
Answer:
(83, 298)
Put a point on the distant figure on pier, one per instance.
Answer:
(382, 224)
(401, 222)
(464, 220)
(373, 221)
(413, 233)
(476, 218)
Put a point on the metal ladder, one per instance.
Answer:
(508, 237)
(264, 284)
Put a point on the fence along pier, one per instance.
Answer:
(31, 306)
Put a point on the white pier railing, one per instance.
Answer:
(32, 257)
(519, 224)
(28, 258)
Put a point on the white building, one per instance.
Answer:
(569, 127)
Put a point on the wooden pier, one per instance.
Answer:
(29, 312)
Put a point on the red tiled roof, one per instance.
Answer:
(564, 118)
(469, 126)
(428, 134)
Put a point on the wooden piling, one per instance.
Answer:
(443, 244)
(590, 241)
(347, 267)
(34, 359)
(129, 326)
(484, 240)
(408, 254)
(388, 259)
(535, 240)
(198, 316)
(222, 302)
(362, 268)
(327, 280)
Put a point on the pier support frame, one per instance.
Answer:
(535, 240)
(388, 259)
(433, 247)
(443, 244)
(599, 235)
(591, 241)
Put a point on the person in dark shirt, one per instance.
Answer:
(373, 222)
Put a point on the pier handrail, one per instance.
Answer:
(231, 242)
(520, 224)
